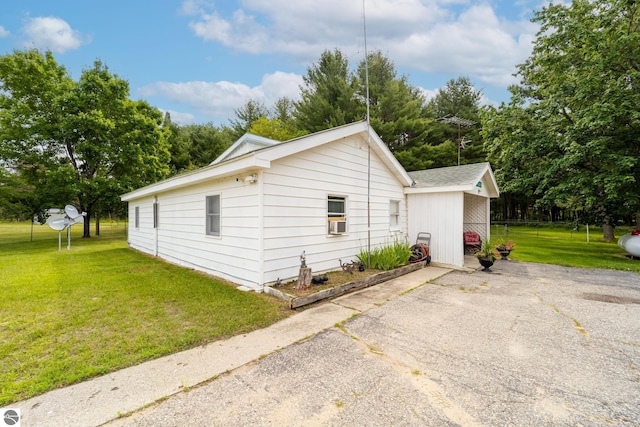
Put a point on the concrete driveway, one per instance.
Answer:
(526, 345)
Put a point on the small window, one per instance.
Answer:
(155, 215)
(137, 217)
(213, 215)
(337, 214)
(394, 214)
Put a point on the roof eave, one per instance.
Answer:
(230, 167)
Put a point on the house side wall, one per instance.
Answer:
(142, 237)
(296, 189)
(440, 214)
(181, 232)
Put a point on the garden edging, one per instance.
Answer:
(296, 302)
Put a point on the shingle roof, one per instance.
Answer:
(449, 176)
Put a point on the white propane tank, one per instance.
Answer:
(631, 243)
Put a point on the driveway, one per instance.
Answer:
(526, 345)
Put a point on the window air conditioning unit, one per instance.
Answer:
(337, 227)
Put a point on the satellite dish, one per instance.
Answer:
(58, 224)
(71, 216)
(71, 211)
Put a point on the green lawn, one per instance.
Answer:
(69, 315)
(66, 316)
(562, 246)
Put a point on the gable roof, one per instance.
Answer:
(455, 178)
(252, 152)
(246, 144)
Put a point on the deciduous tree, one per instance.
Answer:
(581, 87)
(87, 135)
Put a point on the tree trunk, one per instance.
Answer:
(638, 220)
(98, 225)
(304, 278)
(608, 232)
(87, 224)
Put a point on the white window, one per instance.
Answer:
(394, 214)
(337, 214)
(213, 215)
(137, 217)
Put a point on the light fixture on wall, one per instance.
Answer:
(251, 178)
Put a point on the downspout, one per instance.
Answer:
(155, 225)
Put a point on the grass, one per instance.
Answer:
(69, 315)
(561, 246)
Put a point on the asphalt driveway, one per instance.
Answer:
(526, 345)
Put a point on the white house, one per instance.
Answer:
(249, 215)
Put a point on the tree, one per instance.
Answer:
(460, 98)
(427, 156)
(208, 142)
(582, 84)
(283, 110)
(521, 149)
(245, 116)
(275, 129)
(396, 108)
(88, 137)
(328, 95)
(179, 145)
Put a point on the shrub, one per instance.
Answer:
(387, 257)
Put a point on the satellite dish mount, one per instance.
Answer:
(71, 216)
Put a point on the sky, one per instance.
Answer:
(201, 60)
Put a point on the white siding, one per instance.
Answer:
(266, 225)
(296, 189)
(181, 233)
(142, 238)
(440, 214)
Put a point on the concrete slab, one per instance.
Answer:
(97, 401)
(527, 345)
(369, 298)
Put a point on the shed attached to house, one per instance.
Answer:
(449, 201)
(248, 216)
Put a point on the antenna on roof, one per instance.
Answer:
(462, 142)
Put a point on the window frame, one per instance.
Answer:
(394, 216)
(208, 215)
(333, 215)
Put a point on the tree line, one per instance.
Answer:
(86, 142)
(567, 141)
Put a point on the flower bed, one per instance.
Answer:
(330, 291)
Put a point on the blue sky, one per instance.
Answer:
(201, 59)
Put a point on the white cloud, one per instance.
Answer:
(180, 117)
(476, 44)
(428, 94)
(4, 32)
(218, 100)
(52, 33)
(442, 37)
